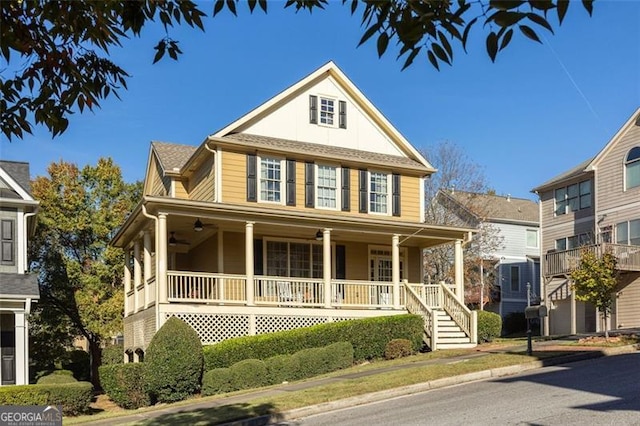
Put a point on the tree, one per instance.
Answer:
(80, 274)
(595, 280)
(456, 172)
(63, 46)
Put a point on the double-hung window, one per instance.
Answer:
(378, 192)
(270, 179)
(294, 259)
(327, 111)
(532, 238)
(628, 232)
(561, 201)
(327, 187)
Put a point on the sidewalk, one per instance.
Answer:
(581, 353)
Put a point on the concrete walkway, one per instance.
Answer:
(581, 352)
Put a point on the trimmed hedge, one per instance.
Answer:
(124, 384)
(253, 373)
(57, 377)
(398, 348)
(74, 397)
(173, 362)
(113, 354)
(489, 326)
(368, 337)
(79, 362)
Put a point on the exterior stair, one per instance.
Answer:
(450, 335)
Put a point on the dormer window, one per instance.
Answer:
(322, 111)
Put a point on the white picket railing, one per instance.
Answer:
(206, 287)
(282, 291)
(462, 316)
(415, 304)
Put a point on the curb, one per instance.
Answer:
(435, 384)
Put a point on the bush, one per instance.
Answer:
(489, 326)
(250, 373)
(173, 362)
(368, 338)
(217, 381)
(124, 384)
(398, 348)
(113, 354)
(281, 368)
(79, 362)
(514, 322)
(74, 397)
(57, 377)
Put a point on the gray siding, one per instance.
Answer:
(628, 305)
(11, 214)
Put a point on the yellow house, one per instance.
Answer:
(308, 209)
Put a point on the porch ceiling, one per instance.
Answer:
(182, 214)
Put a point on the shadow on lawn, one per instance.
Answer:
(262, 414)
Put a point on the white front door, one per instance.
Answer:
(381, 271)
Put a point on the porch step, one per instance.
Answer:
(456, 345)
(450, 335)
(446, 340)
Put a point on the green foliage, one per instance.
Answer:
(595, 280)
(173, 362)
(69, 67)
(80, 273)
(113, 354)
(250, 373)
(79, 363)
(489, 326)
(367, 336)
(74, 397)
(398, 348)
(282, 368)
(217, 381)
(57, 377)
(124, 384)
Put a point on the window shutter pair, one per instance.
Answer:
(7, 239)
(363, 192)
(313, 112)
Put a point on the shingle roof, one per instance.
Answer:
(172, 155)
(325, 151)
(19, 171)
(19, 285)
(571, 173)
(497, 207)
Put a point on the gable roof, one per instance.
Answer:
(328, 70)
(16, 175)
(493, 208)
(172, 156)
(592, 163)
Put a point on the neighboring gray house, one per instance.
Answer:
(18, 289)
(515, 259)
(594, 206)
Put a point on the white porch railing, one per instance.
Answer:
(204, 287)
(279, 291)
(151, 290)
(415, 304)
(466, 319)
(130, 301)
(368, 294)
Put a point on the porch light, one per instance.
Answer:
(197, 226)
(319, 235)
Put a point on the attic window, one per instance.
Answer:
(632, 168)
(324, 112)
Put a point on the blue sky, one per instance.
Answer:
(537, 111)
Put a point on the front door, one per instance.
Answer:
(381, 271)
(7, 349)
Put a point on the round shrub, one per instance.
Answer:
(173, 362)
(124, 384)
(57, 377)
(281, 368)
(79, 362)
(489, 326)
(398, 348)
(250, 373)
(217, 381)
(113, 354)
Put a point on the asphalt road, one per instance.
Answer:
(603, 391)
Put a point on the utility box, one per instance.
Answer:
(533, 312)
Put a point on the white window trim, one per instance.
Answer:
(338, 187)
(296, 241)
(389, 193)
(336, 113)
(283, 180)
(625, 184)
(537, 238)
(403, 258)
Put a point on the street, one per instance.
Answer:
(604, 391)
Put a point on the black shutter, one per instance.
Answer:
(291, 182)
(257, 257)
(395, 194)
(309, 185)
(342, 110)
(252, 182)
(7, 239)
(341, 263)
(363, 192)
(346, 192)
(313, 109)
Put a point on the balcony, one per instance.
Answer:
(564, 262)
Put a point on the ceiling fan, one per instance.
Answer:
(198, 225)
(173, 241)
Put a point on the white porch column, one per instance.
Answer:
(574, 328)
(221, 261)
(127, 280)
(248, 258)
(147, 267)
(137, 275)
(22, 349)
(326, 266)
(161, 258)
(459, 271)
(395, 269)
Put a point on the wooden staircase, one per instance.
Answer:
(450, 335)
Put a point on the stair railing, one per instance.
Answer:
(416, 305)
(466, 319)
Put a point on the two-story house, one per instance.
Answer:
(308, 209)
(509, 245)
(18, 289)
(595, 205)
